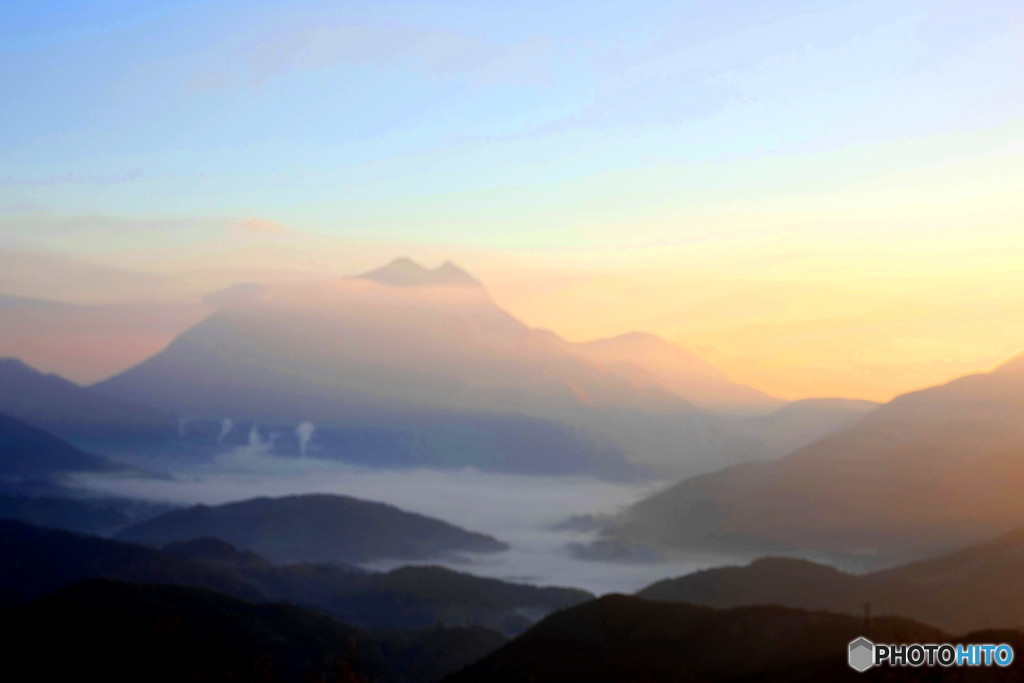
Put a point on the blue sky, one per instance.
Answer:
(395, 118)
(820, 197)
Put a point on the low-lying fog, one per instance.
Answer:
(519, 510)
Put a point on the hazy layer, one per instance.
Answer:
(520, 510)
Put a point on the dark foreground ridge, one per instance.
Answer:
(619, 638)
(40, 561)
(115, 631)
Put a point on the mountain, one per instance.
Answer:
(418, 597)
(40, 561)
(80, 515)
(797, 424)
(28, 452)
(115, 631)
(405, 598)
(76, 413)
(981, 586)
(388, 342)
(429, 367)
(620, 638)
(404, 272)
(55, 502)
(427, 353)
(649, 360)
(318, 528)
(928, 472)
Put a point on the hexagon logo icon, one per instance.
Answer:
(862, 654)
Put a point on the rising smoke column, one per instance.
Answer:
(226, 425)
(304, 433)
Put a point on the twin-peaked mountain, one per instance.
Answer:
(400, 339)
(427, 354)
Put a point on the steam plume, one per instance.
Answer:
(304, 433)
(226, 425)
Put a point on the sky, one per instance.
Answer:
(821, 198)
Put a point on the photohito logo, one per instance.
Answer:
(863, 654)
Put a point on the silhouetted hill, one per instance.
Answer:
(931, 471)
(26, 451)
(421, 596)
(619, 638)
(221, 553)
(82, 516)
(768, 581)
(981, 586)
(408, 597)
(43, 560)
(114, 631)
(319, 528)
(76, 413)
(39, 561)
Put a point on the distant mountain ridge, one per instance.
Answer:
(651, 360)
(930, 471)
(28, 452)
(981, 586)
(73, 412)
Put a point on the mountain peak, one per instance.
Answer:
(450, 274)
(404, 272)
